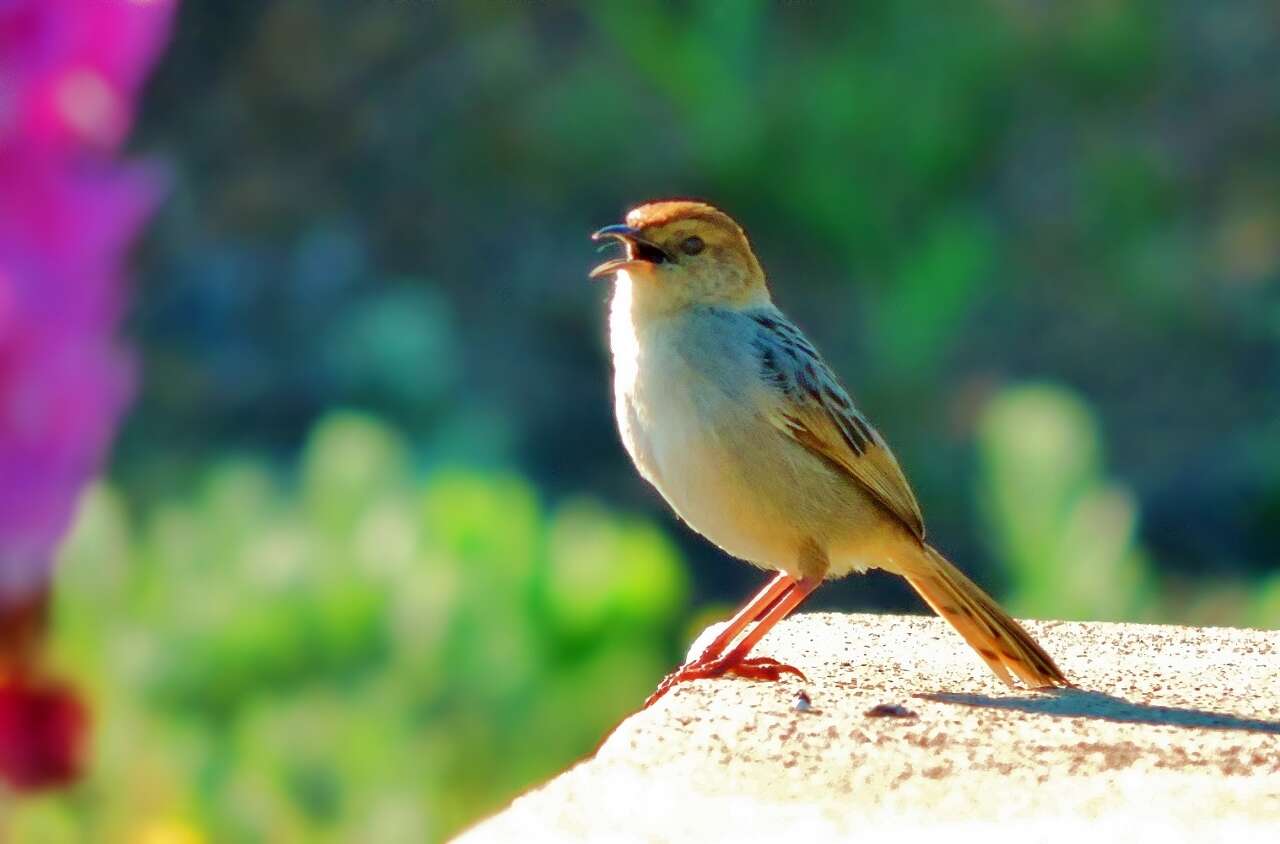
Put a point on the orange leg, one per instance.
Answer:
(756, 607)
(782, 595)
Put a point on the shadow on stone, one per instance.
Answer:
(1081, 703)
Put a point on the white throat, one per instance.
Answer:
(622, 331)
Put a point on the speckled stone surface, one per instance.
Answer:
(1174, 732)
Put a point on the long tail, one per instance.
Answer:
(998, 639)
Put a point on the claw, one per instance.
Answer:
(755, 668)
(765, 668)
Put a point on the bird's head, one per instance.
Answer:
(681, 253)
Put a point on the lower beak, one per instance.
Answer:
(639, 250)
(613, 266)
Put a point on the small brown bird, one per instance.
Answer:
(729, 411)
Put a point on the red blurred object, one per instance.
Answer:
(43, 723)
(43, 727)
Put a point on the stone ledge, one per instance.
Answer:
(1173, 731)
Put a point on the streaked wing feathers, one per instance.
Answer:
(814, 410)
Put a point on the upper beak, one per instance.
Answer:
(621, 231)
(639, 249)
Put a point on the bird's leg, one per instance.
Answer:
(763, 601)
(782, 595)
(759, 668)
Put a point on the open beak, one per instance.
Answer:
(639, 250)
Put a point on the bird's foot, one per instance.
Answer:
(755, 668)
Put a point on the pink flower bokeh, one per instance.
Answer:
(70, 73)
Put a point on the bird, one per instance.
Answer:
(729, 411)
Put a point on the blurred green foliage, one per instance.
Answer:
(1068, 534)
(1066, 531)
(349, 651)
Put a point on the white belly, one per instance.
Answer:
(701, 476)
(691, 435)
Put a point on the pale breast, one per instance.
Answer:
(686, 414)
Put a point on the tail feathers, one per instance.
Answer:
(989, 630)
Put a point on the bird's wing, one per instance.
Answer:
(809, 406)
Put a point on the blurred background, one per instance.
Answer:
(368, 558)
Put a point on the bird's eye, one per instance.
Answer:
(692, 245)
